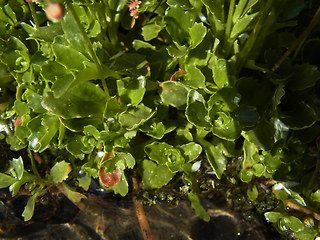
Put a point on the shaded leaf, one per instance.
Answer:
(6, 180)
(215, 157)
(196, 111)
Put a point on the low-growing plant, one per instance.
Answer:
(110, 89)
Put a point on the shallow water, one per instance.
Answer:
(105, 217)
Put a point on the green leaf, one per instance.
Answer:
(113, 108)
(215, 157)
(191, 151)
(151, 31)
(26, 177)
(29, 208)
(60, 171)
(6, 180)
(83, 100)
(196, 111)
(182, 3)
(178, 23)
(18, 167)
(157, 151)
(303, 76)
(301, 117)
(122, 187)
(47, 33)
(259, 169)
(197, 33)
(246, 175)
(70, 193)
(69, 57)
(131, 62)
(315, 196)
(153, 129)
(34, 102)
(223, 73)
(15, 55)
(61, 77)
(155, 176)
(262, 136)
(43, 128)
(78, 124)
(224, 125)
(120, 161)
(194, 77)
(247, 116)
(135, 117)
(252, 193)
(242, 24)
(21, 108)
(174, 159)
(242, 7)
(196, 205)
(131, 90)
(72, 33)
(174, 94)
(75, 146)
(292, 223)
(225, 100)
(273, 216)
(90, 130)
(84, 181)
(249, 150)
(216, 7)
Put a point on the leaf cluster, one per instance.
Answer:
(152, 93)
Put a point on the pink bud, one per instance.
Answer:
(132, 6)
(135, 14)
(54, 11)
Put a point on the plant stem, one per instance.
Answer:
(142, 218)
(229, 21)
(315, 20)
(244, 53)
(33, 164)
(34, 14)
(227, 43)
(90, 48)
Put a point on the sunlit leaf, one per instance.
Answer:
(29, 208)
(18, 167)
(196, 205)
(174, 94)
(60, 171)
